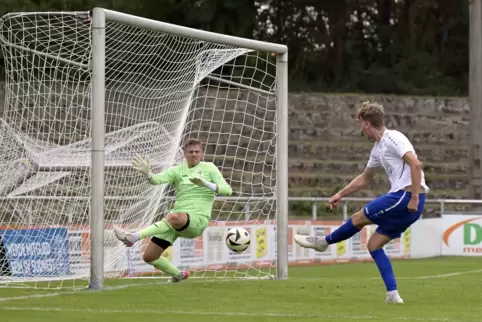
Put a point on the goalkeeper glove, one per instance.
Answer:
(203, 183)
(142, 165)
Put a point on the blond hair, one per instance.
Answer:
(190, 142)
(372, 112)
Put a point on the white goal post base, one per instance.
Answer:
(86, 92)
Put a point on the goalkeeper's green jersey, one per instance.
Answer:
(191, 198)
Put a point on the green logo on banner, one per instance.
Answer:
(472, 234)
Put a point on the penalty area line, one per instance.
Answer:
(245, 314)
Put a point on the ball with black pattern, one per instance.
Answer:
(238, 239)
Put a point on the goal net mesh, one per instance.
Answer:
(161, 89)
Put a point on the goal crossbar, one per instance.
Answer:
(187, 32)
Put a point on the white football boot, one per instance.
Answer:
(393, 298)
(124, 237)
(317, 243)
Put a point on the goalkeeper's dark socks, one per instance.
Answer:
(385, 268)
(345, 231)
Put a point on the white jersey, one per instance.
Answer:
(388, 153)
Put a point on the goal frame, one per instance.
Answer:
(99, 18)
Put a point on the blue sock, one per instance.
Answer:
(385, 268)
(344, 232)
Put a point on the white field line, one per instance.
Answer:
(244, 314)
(403, 277)
(79, 291)
(436, 276)
(33, 296)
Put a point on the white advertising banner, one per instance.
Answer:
(449, 235)
(462, 235)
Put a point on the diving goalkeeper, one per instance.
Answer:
(197, 183)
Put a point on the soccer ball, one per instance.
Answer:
(238, 239)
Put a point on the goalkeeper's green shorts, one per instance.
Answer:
(194, 228)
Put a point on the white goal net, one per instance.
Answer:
(160, 89)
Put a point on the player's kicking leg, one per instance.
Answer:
(344, 232)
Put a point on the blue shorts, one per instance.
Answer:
(390, 213)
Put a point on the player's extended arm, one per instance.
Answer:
(143, 166)
(161, 178)
(359, 182)
(415, 171)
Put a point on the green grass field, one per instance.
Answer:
(440, 289)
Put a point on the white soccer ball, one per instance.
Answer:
(238, 239)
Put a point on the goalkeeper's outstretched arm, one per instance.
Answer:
(143, 166)
(163, 177)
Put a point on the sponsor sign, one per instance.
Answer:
(38, 252)
(462, 235)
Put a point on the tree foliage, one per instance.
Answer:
(417, 47)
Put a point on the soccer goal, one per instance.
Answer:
(87, 91)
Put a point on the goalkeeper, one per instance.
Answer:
(196, 183)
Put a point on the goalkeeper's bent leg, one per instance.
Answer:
(153, 256)
(158, 228)
(164, 265)
(167, 225)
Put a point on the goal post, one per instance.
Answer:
(98, 153)
(87, 91)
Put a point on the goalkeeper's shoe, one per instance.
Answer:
(393, 298)
(182, 276)
(124, 237)
(315, 242)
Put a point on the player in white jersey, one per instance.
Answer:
(393, 212)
